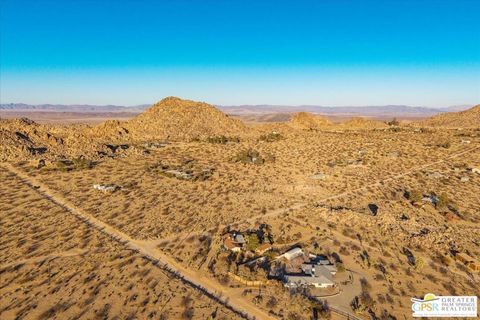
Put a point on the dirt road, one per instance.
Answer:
(193, 278)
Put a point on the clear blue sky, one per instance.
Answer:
(241, 52)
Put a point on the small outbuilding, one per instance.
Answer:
(292, 253)
(264, 247)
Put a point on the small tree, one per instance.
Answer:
(321, 310)
(252, 242)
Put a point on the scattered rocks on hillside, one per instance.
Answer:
(156, 145)
(435, 175)
(463, 119)
(319, 176)
(186, 171)
(475, 170)
(37, 150)
(373, 209)
(410, 257)
(251, 156)
(107, 187)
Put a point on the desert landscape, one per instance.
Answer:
(182, 211)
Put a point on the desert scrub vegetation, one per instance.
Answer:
(415, 196)
(251, 156)
(442, 202)
(394, 122)
(65, 165)
(222, 139)
(271, 137)
(443, 144)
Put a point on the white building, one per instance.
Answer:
(292, 253)
(314, 275)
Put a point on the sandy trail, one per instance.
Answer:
(193, 278)
(49, 257)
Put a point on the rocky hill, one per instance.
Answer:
(22, 139)
(363, 123)
(170, 119)
(308, 121)
(177, 119)
(464, 119)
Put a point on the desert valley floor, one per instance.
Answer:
(138, 219)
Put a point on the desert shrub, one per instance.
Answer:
(188, 313)
(81, 163)
(186, 300)
(355, 247)
(366, 286)
(362, 302)
(294, 316)
(340, 267)
(419, 264)
(450, 288)
(271, 137)
(385, 315)
(443, 144)
(258, 299)
(379, 277)
(224, 280)
(431, 277)
(381, 298)
(344, 251)
(461, 267)
(52, 311)
(322, 310)
(442, 202)
(272, 302)
(415, 196)
(394, 129)
(61, 166)
(249, 156)
(446, 260)
(394, 122)
(222, 139)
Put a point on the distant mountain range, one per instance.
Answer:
(83, 108)
(367, 111)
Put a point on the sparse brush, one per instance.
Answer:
(271, 137)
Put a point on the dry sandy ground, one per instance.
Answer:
(327, 216)
(54, 266)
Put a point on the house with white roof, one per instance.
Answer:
(313, 275)
(318, 273)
